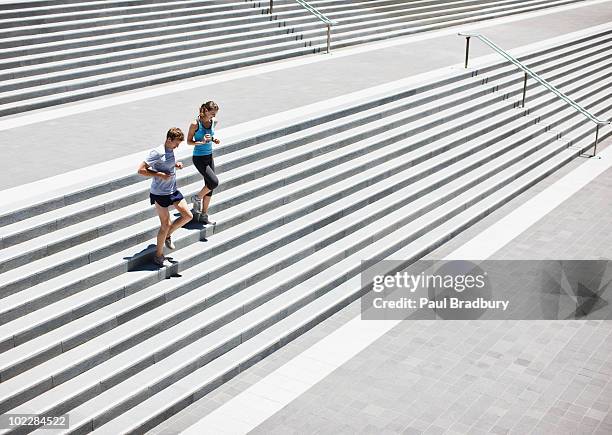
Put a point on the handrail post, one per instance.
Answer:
(524, 89)
(467, 50)
(320, 17)
(271, 6)
(596, 140)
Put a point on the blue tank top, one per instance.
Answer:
(204, 149)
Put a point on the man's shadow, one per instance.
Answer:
(143, 259)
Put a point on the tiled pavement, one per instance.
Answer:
(465, 377)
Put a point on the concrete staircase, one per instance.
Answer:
(54, 52)
(89, 327)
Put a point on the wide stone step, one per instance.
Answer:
(276, 198)
(15, 310)
(93, 188)
(420, 22)
(26, 254)
(156, 408)
(32, 86)
(236, 12)
(453, 172)
(88, 38)
(138, 235)
(55, 13)
(105, 340)
(97, 66)
(167, 368)
(79, 4)
(236, 169)
(495, 140)
(16, 61)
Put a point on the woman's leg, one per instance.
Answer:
(201, 163)
(164, 219)
(211, 182)
(203, 193)
(186, 216)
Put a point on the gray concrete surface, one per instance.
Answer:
(53, 147)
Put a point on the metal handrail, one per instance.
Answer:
(329, 22)
(317, 13)
(536, 77)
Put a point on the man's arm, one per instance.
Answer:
(145, 170)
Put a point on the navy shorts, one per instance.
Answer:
(166, 200)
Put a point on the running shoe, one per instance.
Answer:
(160, 261)
(197, 203)
(205, 220)
(170, 243)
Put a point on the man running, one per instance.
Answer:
(161, 164)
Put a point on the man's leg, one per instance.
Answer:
(164, 219)
(186, 217)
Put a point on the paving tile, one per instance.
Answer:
(545, 428)
(411, 431)
(499, 430)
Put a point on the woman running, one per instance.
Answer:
(202, 135)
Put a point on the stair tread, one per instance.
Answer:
(387, 218)
(213, 260)
(205, 375)
(184, 355)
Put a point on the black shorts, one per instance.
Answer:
(166, 200)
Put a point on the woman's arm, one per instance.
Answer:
(193, 127)
(215, 123)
